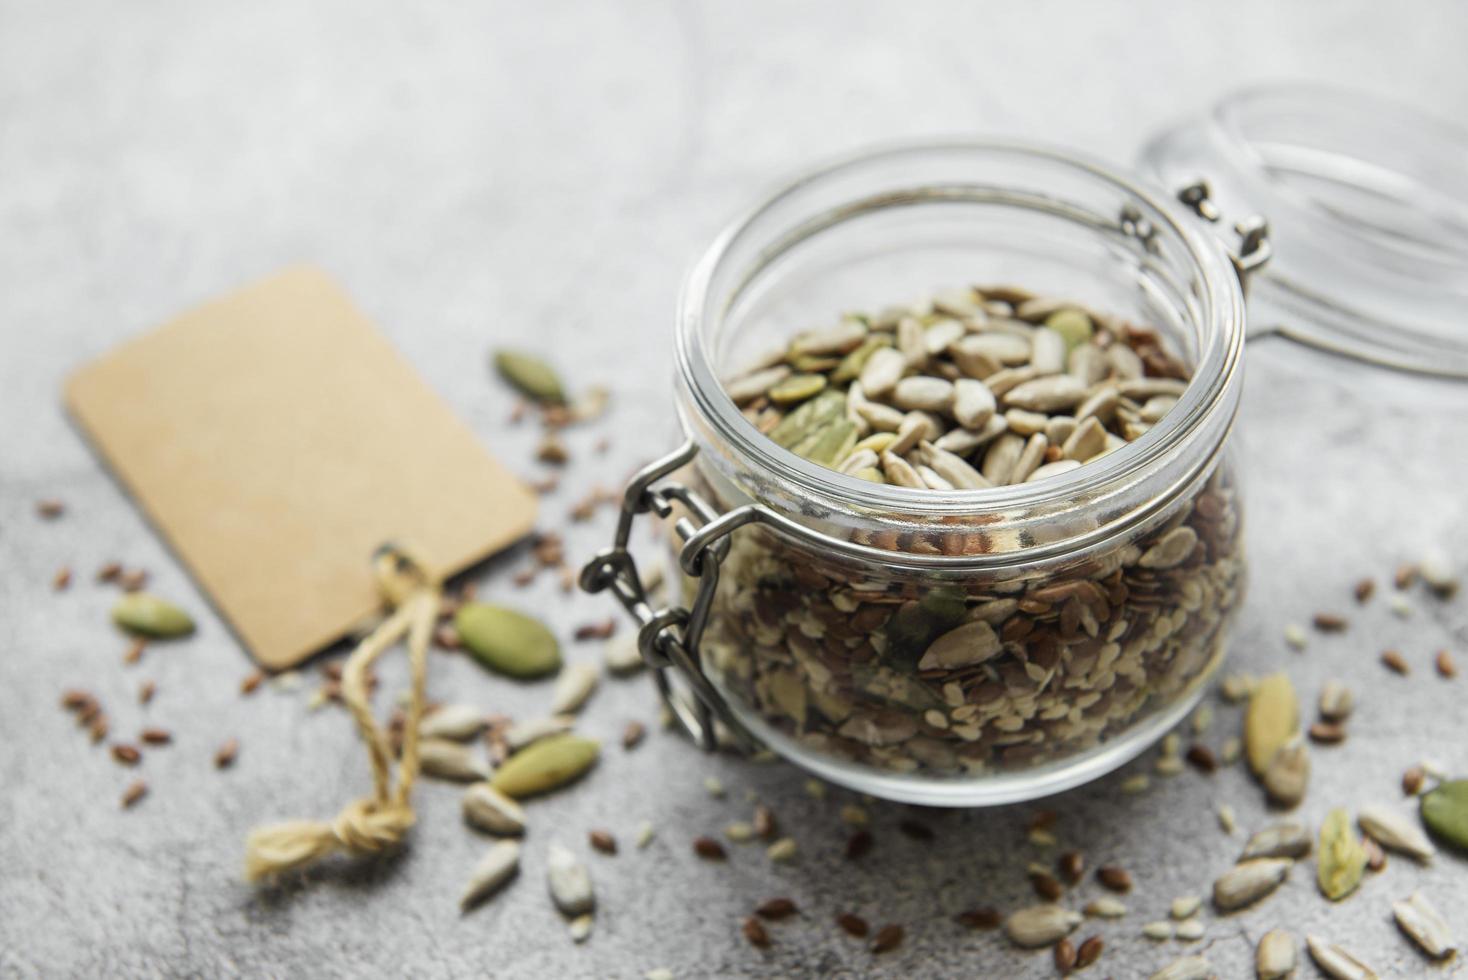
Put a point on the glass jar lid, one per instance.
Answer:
(1367, 204)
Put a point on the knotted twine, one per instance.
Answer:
(378, 822)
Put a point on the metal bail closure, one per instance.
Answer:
(1254, 249)
(668, 638)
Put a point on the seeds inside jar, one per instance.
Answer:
(997, 670)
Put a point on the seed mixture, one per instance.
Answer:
(969, 391)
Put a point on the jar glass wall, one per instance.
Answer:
(1092, 607)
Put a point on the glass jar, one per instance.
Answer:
(989, 646)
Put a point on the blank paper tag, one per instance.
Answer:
(276, 439)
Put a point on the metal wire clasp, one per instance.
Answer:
(668, 638)
(1254, 247)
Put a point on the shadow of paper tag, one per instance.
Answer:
(275, 438)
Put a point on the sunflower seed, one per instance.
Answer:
(1187, 968)
(524, 733)
(622, 656)
(1105, 907)
(1280, 840)
(1272, 717)
(1336, 701)
(574, 685)
(1288, 774)
(456, 722)
(492, 811)
(497, 866)
(1438, 574)
(1189, 931)
(1041, 925)
(1425, 926)
(1159, 931)
(1336, 962)
(1248, 882)
(580, 927)
(1395, 832)
(569, 881)
(1185, 907)
(1276, 955)
(444, 759)
(953, 468)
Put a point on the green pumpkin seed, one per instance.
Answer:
(797, 388)
(507, 641)
(149, 615)
(545, 765)
(1074, 327)
(1272, 717)
(815, 413)
(1342, 859)
(532, 376)
(1445, 811)
(871, 474)
(832, 443)
(850, 367)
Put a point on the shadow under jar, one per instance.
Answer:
(1093, 605)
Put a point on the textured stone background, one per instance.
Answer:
(485, 172)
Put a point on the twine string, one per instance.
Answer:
(378, 822)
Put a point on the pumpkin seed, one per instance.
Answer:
(1272, 717)
(569, 881)
(1425, 926)
(507, 641)
(580, 927)
(1445, 812)
(1249, 881)
(1342, 860)
(1041, 925)
(1276, 956)
(532, 376)
(492, 811)
(1394, 831)
(797, 388)
(1072, 326)
(545, 765)
(497, 866)
(1336, 962)
(148, 615)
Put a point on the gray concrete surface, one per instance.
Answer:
(482, 172)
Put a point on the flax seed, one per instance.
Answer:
(709, 849)
(1072, 865)
(858, 844)
(1446, 666)
(1201, 758)
(225, 756)
(1327, 733)
(915, 829)
(99, 729)
(155, 736)
(135, 792)
(1327, 622)
(126, 754)
(754, 931)
(889, 937)
(50, 509)
(633, 734)
(1065, 956)
(1089, 952)
(109, 572)
(984, 917)
(146, 690)
(1046, 887)
(603, 841)
(134, 652)
(62, 579)
(1394, 662)
(1115, 878)
(853, 925)
(597, 631)
(775, 909)
(1412, 780)
(251, 683)
(133, 580)
(1364, 590)
(75, 700)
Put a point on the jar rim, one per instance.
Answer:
(1216, 289)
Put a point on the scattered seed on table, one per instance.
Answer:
(645, 834)
(1158, 930)
(1202, 758)
(75, 700)
(1405, 575)
(853, 925)
(1072, 865)
(1046, 887)
(155, 736)
(1394, 662)
(135, 792)
(226, 754)
(1249, 881)
(1190, 930)
(1065, 955)
(1375, 856)
(134, 651)
(633, 734)
(1327, 733)
(50, 509)
(603, 841)
(1043, 819)
(252, 683)
(99, 729)
(775, 909)
(915, 829)
(1336, 701)
(1328, 622)
(1446, 666)
(765, 825)
(146, 690)
(783, 849)
(109, 572)
(858, 844)
(1226, 819)
(754, 931)
(984, 917)
(601, 630)
(1412, 780)
(133, 580)
(1105, 907)
(888, 937)
(1089, 952)
(709, 849)
(1115, 878)
(1295, 636)
(62, 578)
(88, 712)
(126, 754)
(1364, 589)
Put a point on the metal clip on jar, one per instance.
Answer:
(1099, 600)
